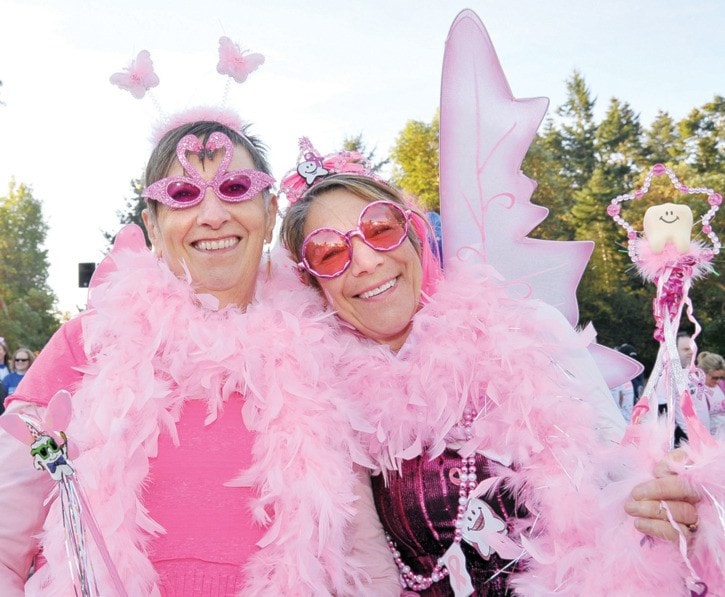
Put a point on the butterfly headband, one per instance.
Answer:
(313, 168)
(139, 78)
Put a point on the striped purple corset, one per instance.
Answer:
(418, 510)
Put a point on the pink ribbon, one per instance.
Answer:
(455, 569)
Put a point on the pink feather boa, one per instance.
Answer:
(545, 412)
(147, 339)
(514, 359)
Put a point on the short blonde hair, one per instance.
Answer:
(710, 361)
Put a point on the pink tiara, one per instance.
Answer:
(312, 168)
(139, 78)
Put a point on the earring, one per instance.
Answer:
(268, 258)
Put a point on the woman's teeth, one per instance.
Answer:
(214, 245)
(379, 289)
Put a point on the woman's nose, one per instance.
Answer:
(212, 210)
(364, 259)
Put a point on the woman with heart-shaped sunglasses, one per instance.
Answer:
(497, 454)
(201, 407)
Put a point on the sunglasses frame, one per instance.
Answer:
(158, 191)
(355, 232)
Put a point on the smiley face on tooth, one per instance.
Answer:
(668, 223)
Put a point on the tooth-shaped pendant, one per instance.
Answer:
(668, 222)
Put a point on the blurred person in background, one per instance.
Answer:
(5, 368)
(22, 359)
(713, 366)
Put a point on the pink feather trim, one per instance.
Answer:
(650, 265)
(225, 116)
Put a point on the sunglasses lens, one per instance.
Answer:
(383, 225)
(327, 253)
(183, 192)
(235, 187)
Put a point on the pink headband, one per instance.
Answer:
(312, 168)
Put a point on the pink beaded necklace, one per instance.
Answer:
(468, 482)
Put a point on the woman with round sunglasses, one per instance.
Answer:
(196, 406)
(492, 438)
(21, 360)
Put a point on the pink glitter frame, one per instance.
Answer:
(158, 191)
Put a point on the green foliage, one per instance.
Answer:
(577, 132)
(415, 158)
(662, 142)
(704, 134)
(131, 214)
(27, 315)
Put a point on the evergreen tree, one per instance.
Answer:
(542, 164)
(662, 142)
(576, 136)
(703, 131)
(618, 143)
(27, 304)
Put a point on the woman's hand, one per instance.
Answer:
(646, 502)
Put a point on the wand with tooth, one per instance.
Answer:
(666, 255)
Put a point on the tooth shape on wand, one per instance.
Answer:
(668, 223)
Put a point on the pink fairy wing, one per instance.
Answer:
(15, 426)
(485, 198)
(57, 416)
(615, 367)
(486, 208)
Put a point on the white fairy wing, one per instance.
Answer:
(486, 207)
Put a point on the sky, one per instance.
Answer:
(333, 69)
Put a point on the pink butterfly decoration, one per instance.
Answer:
(236, 63)
(139, 77)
